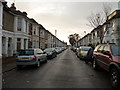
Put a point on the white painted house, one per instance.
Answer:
(15, 30)
(1, 20)
(113, 28)
(21, 26)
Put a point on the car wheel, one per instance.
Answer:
(19, 67)
(115, 78)
(94, 64)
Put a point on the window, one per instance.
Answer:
(116, 50)
(34, 43)
(108, 41)
(19, 24)
(26, 25)
(25, 42)
(98, 34)
(100, 48)
(118, 28)
(107, 31)
(26, 52)
(29, 43)
(30, 29)
(34, 32)
(18, 44)
(39, 51)
(112, 40)
(118, 41)
(18, 39)
(106, 48)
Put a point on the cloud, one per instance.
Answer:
(65, 17)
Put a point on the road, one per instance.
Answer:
(64, 71)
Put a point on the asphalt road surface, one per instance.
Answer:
(64, 71)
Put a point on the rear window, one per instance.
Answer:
(26, 52)
(115, 50)
(85, 49)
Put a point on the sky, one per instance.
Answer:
(65, 16)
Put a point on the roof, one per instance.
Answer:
(115, 14)
(33, 20)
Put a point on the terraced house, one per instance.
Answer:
(106, 33)
(1, 24)
(113, 28)
(20, 29)
(17, 31)
(7, 31)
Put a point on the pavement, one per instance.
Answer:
(8, 63)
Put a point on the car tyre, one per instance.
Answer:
(94, 64)
(115, 78)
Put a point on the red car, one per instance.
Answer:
(107, 57)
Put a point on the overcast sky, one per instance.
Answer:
(67, 17)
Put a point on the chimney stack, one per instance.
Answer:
(13, 6)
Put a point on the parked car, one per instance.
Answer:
(58, 50)
(73, 48)
(89, 56)
(51, 53)
(107, 57)
(77, 49)
(30, 57)
(82, 51)
(63, 48)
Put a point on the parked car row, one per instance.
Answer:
(104, 56)
(36, 56)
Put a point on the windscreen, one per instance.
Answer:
(26, 52)
(85, 48)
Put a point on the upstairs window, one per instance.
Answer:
(30, 29)
(108, 32)
(19, 24)
(26, 26)
(98, 34)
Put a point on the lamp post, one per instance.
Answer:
(55, 37)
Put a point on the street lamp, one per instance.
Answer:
(55, 37)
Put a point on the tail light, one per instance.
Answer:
(34, 58)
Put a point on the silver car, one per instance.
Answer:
(30, 57)
(82, 51)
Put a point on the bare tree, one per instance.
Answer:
(106, 9)
(96, 19)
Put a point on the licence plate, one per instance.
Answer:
(25, 58)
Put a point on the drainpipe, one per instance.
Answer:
(39, 37)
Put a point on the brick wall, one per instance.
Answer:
(8, 21)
